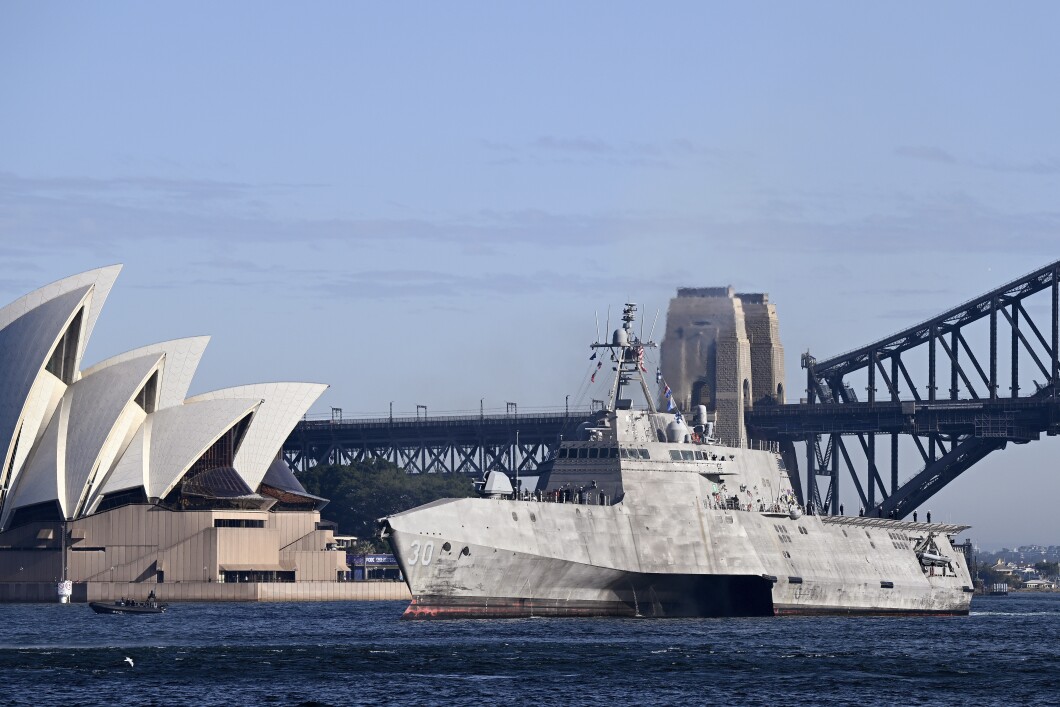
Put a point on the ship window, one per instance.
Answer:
(623, 453)
(533, 518)
(447, 547)
(562, 454)
(583, 453)
(614, 453)
(687, 454)
(675, 455)
(594, 453)
(644, 454)
(514, 516)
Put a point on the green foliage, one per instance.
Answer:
(990, 577)
(1047, 569)
(365, 491)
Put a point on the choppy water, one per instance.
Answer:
(1006, 652)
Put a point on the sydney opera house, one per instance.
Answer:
(115, 480)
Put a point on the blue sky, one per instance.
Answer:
(426, 203)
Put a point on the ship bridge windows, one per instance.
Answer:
(631, 453)
(587, 453)
(682, 455)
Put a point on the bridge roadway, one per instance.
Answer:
(463, 444)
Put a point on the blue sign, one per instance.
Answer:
(374, 560)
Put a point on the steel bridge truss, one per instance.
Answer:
(997, 360)
(458, 444)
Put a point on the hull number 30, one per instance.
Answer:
(424, 557)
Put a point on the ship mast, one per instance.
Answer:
(627, 349)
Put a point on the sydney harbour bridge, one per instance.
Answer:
(898, 418)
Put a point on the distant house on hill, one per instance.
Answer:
(1039, 584)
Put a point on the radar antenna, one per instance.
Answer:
(627, 350)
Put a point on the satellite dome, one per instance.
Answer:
(676, 432)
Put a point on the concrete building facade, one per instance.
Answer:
(722, 350)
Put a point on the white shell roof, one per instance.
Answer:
(25, 345)
(282, 406)
(70, 449)
(101, 280)
(182, 358)
(131, 470)
(77, 432)
(180, 435)
(96, 401)
(40, 480)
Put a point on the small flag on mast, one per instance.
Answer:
(593, 357)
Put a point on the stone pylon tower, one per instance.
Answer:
(722, 350)
(767, 353)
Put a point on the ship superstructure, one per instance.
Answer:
(643, 514)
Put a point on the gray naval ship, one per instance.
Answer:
(645, 515)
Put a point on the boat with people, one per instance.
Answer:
(129, 606)
(644, 513)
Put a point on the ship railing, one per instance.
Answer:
(577, 496)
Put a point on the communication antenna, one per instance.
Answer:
(597, 313)
(607, 327)
(652, 332)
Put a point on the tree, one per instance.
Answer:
(363, 492)
(1047, 569)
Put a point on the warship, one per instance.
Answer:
(643, 513)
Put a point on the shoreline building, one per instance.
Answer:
(722, 349)
(116, 481)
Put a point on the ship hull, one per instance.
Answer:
(631, 595)
(556, 559)
(447, 607)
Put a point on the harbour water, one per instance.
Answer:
(1005, 652)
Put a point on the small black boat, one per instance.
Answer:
(126, 606)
